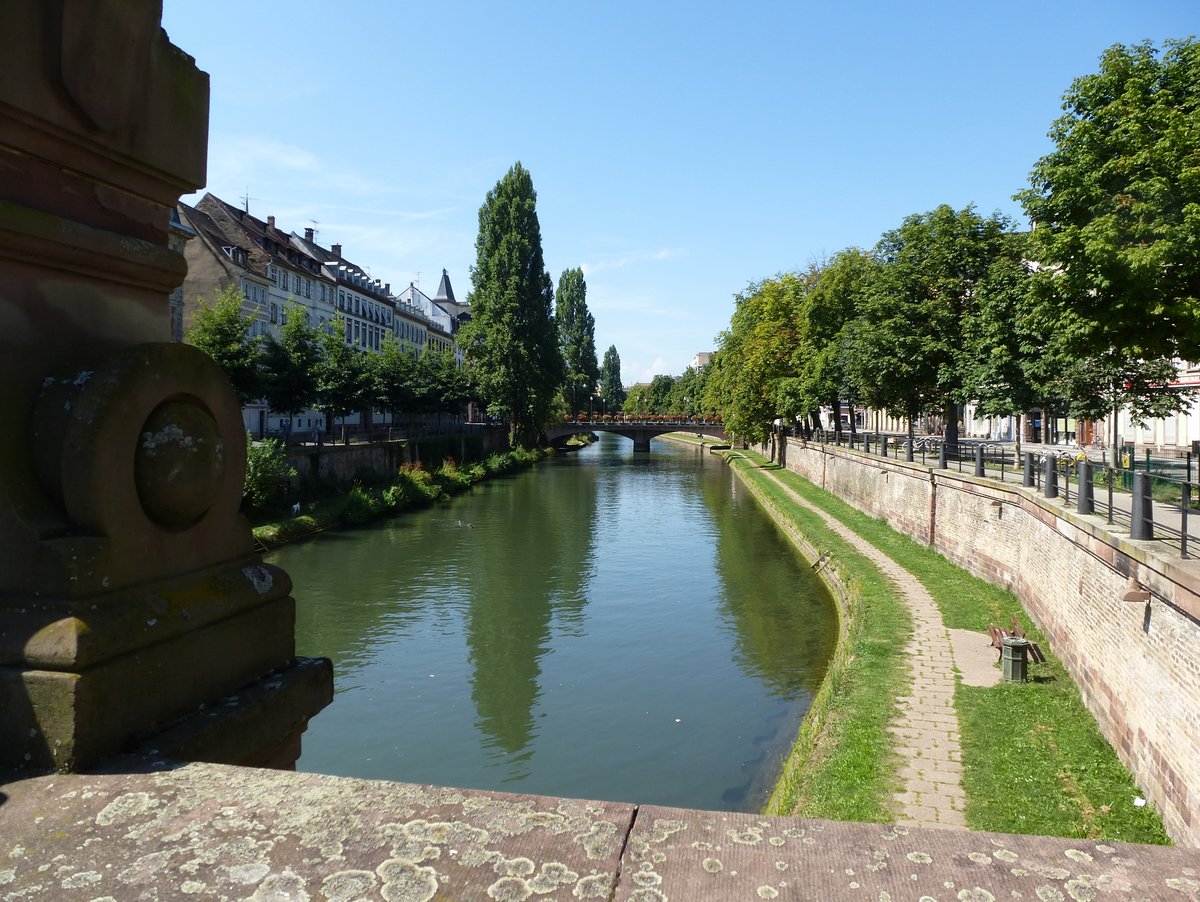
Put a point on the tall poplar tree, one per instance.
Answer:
(611, 388)
(511, 339)
(576, 338)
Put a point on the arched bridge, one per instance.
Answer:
(639, 430)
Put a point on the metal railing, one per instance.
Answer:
(1153, 498)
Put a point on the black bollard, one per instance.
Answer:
(883, 446)
(1050, 477)
(942, 464)
(979, 460)
(1085, 501)
(1029, 470)
(1142, 526)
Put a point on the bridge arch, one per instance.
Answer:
(640, 432)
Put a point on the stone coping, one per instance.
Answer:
(218, 832)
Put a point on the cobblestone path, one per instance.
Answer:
(925, 723)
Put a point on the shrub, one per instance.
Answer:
(450, 478)
(361, 506)
(267, 475)
(415, 485)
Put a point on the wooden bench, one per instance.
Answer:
(1015, 631)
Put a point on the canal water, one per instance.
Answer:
(605, 625)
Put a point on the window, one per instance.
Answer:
(274, 313)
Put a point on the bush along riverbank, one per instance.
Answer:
(1034, 759)
(277, 519)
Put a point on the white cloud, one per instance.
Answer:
(628, 259)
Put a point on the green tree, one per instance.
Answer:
(290, 363)
(755, 357)
(637, 400)
(576, 338)
(341, 374)
(611, 388)
(660, 390)
(392, 376)
(222, 331)
(1009, 366)
(828, 318)
(1116, 207)
(450, 382)
(907, 353)
(1108, 383)
(687, 394)
(511, 338)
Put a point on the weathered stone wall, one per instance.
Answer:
(345, 463)
(381, 460)
(1137, 665)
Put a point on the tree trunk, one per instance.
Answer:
(1020, 421)
(837, 417)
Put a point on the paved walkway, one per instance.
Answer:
(925, 724)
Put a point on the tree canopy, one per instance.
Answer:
(576, 338)
(511, 339)
(916, 306)
(223, 332)
(290, 362)
(1116, 206)
(341, 373)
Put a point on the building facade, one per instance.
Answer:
(282, 273)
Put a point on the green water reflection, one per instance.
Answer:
(606, 625)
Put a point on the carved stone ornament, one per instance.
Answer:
(147, 450)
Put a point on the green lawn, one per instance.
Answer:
(1034, 758)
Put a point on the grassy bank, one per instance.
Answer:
(360, 502)
(1034, 758)
(840, 766)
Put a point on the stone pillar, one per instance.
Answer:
(130, 593)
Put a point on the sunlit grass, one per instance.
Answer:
(1034, 758)
(841, 766)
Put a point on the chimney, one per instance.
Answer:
(271, 222)
(337, 250)
(387, 288)
(308, 234)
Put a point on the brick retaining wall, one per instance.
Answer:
(1137, 665)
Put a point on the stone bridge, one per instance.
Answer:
(640, 431)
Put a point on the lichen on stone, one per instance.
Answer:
(599, 841)
(404, 881)
(348, 886)
(125, 807)
(593, 886)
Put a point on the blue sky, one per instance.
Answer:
(680, 150)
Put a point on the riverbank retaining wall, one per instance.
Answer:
(1137, 664)
(334, 463)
